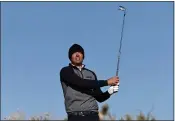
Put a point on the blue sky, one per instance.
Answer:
(36, 37)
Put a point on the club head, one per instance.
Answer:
(121, 8)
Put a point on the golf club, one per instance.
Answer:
(121, 8)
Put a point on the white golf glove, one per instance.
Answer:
(113, 89)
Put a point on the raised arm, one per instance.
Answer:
(99, 95)
(68, 75)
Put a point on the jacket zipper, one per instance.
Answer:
(81, 74)
(83, 77)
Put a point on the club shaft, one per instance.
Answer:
(118, 62)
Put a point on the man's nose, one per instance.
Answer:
(77, 55)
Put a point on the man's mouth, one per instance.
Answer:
(77, 58)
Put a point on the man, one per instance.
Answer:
(82, 89)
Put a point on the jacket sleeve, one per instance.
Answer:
(68, 75)
(99, 95)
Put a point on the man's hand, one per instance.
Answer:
(113, 89)
(113, 81)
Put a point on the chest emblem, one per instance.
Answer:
(88, 77)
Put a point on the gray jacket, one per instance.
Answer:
(81, 89)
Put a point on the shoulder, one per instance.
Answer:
(91, 71)
(64, 69)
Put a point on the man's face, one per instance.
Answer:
(77, 58)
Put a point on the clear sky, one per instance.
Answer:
(36, 37)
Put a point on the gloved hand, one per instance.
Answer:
(113, 89)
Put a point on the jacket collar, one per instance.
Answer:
(80, 68)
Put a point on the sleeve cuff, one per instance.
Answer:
(107, 94)
(103, 83)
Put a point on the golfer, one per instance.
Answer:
(81, 88)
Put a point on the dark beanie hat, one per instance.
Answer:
(75, 48)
